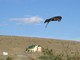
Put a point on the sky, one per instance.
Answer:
(26, 18)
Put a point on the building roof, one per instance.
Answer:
(31, 46)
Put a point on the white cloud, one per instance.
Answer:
(28, 20)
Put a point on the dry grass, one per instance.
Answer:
(16, 45)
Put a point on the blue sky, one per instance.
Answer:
(26, 18)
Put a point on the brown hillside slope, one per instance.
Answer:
(15, 45)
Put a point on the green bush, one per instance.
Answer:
(9, 58)
(48, 54)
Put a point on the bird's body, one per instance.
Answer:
(56, 18)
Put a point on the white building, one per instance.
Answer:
(34, 48)
(5, 53)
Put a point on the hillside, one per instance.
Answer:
(16, 45)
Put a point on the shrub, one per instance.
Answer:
(49, 55)
(9, 58)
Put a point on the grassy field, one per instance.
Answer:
(16, 45)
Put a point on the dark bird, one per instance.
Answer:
(56, 18)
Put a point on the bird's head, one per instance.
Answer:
(47, 20)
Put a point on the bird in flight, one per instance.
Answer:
(56, 18)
